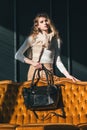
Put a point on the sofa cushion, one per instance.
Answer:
(7, 126)
(72, 108)
(47, 126)
(82, 126)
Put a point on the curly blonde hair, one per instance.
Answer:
(35, 29)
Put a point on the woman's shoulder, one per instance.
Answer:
(30, 38)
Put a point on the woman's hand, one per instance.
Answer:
(72, 78)
(37, 65)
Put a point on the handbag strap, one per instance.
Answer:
(49, 115)
(51, 80)
(38, 71)
(47, 72)
(41, 53)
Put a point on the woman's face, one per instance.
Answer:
(43, 24)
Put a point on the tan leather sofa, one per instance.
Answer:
(72, 108)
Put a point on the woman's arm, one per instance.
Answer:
(60, 65)
(20, 54)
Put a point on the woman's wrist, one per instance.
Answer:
(28, 61)
(66, 73)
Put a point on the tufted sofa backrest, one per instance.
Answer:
(72, 105)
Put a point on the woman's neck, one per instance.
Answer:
(45, 32)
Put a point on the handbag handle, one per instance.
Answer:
(47, 73)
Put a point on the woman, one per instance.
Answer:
(43, 35)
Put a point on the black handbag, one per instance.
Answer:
(42, 97)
